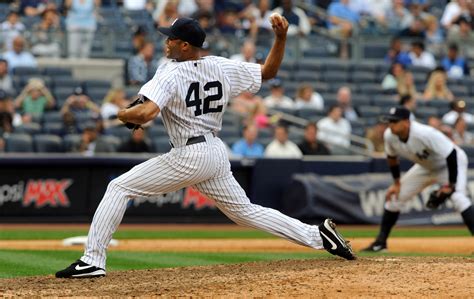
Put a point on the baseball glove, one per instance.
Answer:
(437, 197)
(137, 101)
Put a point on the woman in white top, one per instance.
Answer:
(306, 97)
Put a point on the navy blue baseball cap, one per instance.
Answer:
(185, 29)
(396, 114)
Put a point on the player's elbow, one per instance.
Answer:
(268, 73)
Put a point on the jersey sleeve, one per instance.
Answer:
(389, 150)
(439, 143)
(159, 90)
(242, 76)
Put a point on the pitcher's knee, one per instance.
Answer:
(461, 201)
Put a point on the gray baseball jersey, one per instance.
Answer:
(428, 148)
(192, 96)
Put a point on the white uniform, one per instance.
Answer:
(428, 148)
(192, 96)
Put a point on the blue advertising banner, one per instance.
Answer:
(359, 199)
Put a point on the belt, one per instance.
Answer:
(193, 140)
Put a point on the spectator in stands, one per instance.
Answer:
(335, 130)
(79, 102)
(396, 54)
(19, 57)
(33, 8)
(6, 115)
(142, 67)
(458, 109)
(247, 52)
(455, 65)
(229, 22)
(138, 5)
(306, 97)
(434, 121)
(310, 144)
(136, 143)
(398, 18)
(262, 17)
(420, 57)
(245, 102)
(204, 51)
(417, 29)
(394, 80)
(409, 102)
(6, 82)
(165, 15)
(8, 105)
(281, 147)
(70, 125)
(344, 100)
(277, 98)
(462, 36)
(11, 28)
(297, 18)
(375, 135)
(47, 35)
(35, 98)
(342, 23)
(91, 141)
(115, 100)
(248, 146)
(455, 10)
(436, 87)
(460, 134)
(81, 24)
(139, 39)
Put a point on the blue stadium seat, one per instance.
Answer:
(29, 128)
(71, 142)
(47, 143)
(55, 128)
(16, 143)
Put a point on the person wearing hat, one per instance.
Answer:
(142, 66)
(437, 160)
(277, 98)
(191, 93)
(458, 109)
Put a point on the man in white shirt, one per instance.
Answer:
(458, 108)
(247, 52)
(334, 130)
(281, 147)
(18, 56)
(277, 97)
(420, 57)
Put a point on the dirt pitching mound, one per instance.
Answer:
(367, 277)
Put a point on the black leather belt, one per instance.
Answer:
(193, 140)
(197, 139)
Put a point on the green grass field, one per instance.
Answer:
(14, 263)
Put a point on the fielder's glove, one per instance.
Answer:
(137, 101)
(438, 197)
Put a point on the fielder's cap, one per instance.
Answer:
(396, 114)
(185, 29)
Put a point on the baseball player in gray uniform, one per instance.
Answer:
(437, 160)
(192, 92)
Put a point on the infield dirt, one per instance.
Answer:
(404, 277)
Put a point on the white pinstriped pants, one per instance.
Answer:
(204, 165)
(418, 178)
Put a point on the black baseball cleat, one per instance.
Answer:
(334, 242)
(376, 247)
(79, 269)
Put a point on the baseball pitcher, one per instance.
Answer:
(191, 93)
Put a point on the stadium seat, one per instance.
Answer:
(57, 72)
(52, 116)
(363, 77)
(307, 76)
(308, 113)
(26, 71)
(331, 76)
(29, 128)
(47, 143)
(121, 132)
(18, 142)
(107, 144)
(71, 142)
(55, 128)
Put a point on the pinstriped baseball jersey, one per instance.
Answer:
(193, 95)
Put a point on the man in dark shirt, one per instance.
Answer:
(310, 144)
(136, 143)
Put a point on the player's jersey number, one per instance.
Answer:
(197, 102)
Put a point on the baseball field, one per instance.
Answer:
(227, 260)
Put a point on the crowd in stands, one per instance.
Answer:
(429, 72)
